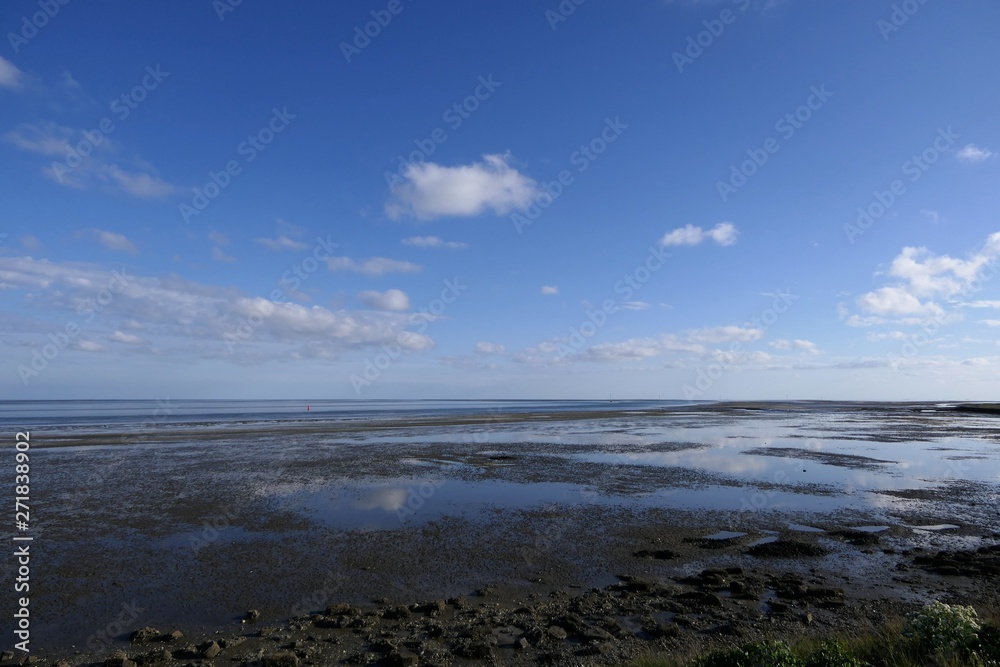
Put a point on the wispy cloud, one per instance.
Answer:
(114, 241)
(374, 266)
(10, 75)
(393, 299)
(102, 166)
(724, 233)
(282, 243)
(550, 290)
(433, 242)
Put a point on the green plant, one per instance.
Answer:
(832, 654)
(944, 629)
(758, 654)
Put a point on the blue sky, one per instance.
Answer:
(686, 199)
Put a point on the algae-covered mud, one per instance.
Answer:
(504, 534)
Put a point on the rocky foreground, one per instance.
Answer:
(610, 625)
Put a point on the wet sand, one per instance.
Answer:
(491, 529)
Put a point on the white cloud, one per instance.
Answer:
(392, 299)
(888, 335)
(485, 347)
(991, 323)
(194, 318)
(550, 290)
(921, 277)
(635, 305)
(983, 304)
(973, 153)
(374, 266)
(282, 243)
(10, 75)
(724, 233)
(796, 344)
(219, 256)
(433, 242)
(894, 301)
(726, 334)
(430, 190)
(87, 346)
(101, 167)
(114, 241)
(128, 339)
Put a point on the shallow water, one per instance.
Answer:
(196, 506)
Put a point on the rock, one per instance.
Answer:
(145, 635)
(280, 659)
(657, 554)
(522, 644)
(403, 658)
(6, 655)
(251, 616)
(175, 636)
(556, 632)
(786, 549)
(211, 650)
(807, 618)
(119, 659)
(397, 613)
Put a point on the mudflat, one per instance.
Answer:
(564, 537)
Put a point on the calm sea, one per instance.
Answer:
(20, 415)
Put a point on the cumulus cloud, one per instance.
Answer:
(922, 279)
(724, 233)
(726, 334)
(550, 290)
(392, 299)
(374, 266)
(114, 241)
(973, 153)
(433, 242)
(428, 190)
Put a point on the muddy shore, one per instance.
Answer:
(517, 539)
